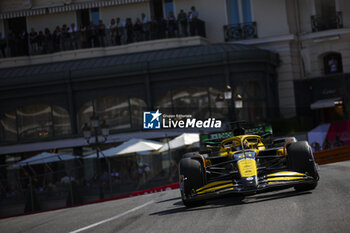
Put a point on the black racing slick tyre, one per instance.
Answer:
(191, 178)
(301, 159)
(188, 155)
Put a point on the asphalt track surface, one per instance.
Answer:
(325, 209)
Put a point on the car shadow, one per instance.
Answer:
(226, 201)
(171, 199)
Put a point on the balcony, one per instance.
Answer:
(242, 31)
(86, 39)
(320, 23)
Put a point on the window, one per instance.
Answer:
(332, 63)
(239, 11)
(325, 8)
(138, 106)
(83, 17)
(8, 127)
(169, 7)
(233, 11)
(241, 25)
(34, 121)
(246, 11)
(95, 15)
(119, 112)
(114, 110)
(326, 15)
(61, 121)
(200, 102)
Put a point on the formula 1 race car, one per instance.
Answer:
(244, 164)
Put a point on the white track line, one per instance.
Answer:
(113, 218)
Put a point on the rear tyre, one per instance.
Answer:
(191, 178)
(301, 159)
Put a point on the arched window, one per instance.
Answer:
(119, 112)
(34, 121)
(8, 127)
(200, 102)
(332, 63)
(138, 106)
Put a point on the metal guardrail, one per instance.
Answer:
(320, 23)
(242, 31)
(332, 155)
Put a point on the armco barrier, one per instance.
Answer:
(137, 193)
(332, 155)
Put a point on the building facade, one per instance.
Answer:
(310, 37)
(65, 62)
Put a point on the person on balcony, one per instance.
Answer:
(57, 39)
(182, 21)
(40, 40)
(33, 36)
(120, 37)
(23, 43)
(163, 28)
(172, 27)
(145, 27)
(48, 43)
(101, 33)
(74, 36)
(113, 32)
(129, 31)
(138, 30)
(65, 38)
(193, 19)
(92, 35)
(82, 37)
(154, 28)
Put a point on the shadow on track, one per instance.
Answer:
(171, 199)
(229, 200)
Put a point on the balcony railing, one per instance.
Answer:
(320, 23)
(240, 31)
(17, 45)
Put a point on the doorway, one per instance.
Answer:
(83, 18)
(157, 9)
(16, 25)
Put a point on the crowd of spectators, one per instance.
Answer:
(118, 32)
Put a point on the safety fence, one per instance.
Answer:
(58, 185)
(62, 184)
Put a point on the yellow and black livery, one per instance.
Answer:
(244, 164)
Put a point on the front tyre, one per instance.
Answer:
(301, 159)
(191, 174)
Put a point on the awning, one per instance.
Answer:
(91, 4)
(22, 13)
(128, 147)
(325, 103)
(44, 157)
(185, 139)
(65, 8)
